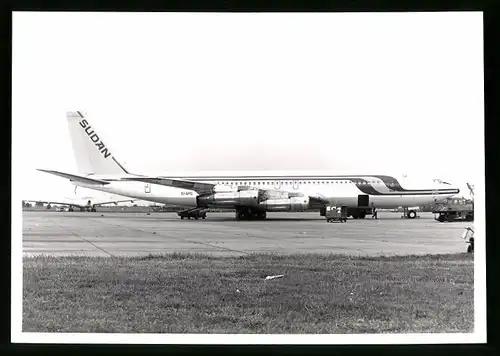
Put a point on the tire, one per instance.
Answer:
(469, 249)
(182, 217)
(412, 214)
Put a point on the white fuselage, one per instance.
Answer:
(383, 191)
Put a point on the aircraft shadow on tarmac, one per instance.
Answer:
(277, 219)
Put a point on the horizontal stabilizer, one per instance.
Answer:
(74, 177)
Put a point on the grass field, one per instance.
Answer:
(202, 294)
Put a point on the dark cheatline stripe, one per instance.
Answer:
(391, 183)
(365, 187)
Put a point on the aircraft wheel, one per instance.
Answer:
(182, 217)
(470, 249)
(412, 214)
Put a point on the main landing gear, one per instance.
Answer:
(249, 214)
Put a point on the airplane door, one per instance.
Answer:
(363, 200)
(147, 188)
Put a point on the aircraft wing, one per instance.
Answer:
(50, 202)
(207, 188)
(81, 203)
(200, 188)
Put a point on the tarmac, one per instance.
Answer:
(134, 234)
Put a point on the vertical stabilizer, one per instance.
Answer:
(92, 154)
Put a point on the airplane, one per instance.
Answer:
(83, 203)
(250, 194)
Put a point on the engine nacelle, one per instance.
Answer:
(230, 199)
(291, 204)
(276, 195)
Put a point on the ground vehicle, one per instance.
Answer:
(468, 236)
(456, 209)
(336, 213)
(193, 213)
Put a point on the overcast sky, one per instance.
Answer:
(191, 92)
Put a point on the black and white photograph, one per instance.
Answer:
(248, 178)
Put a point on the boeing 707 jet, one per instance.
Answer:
(250, 194)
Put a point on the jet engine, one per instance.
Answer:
(291, 204)
(230, 199)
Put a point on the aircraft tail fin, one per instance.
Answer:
(92, 154)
